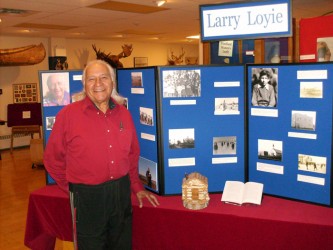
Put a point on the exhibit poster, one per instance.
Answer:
(290, 129)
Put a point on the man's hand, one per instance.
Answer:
(145, 194)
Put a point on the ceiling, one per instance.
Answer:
(130, 20)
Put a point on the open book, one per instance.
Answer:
(238, 193)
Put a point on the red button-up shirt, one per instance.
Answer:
(89, 147)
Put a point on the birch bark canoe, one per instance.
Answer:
(27, 55)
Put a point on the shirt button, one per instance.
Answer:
(108, 130)
(112, 162)
(111, 177)
(110, 146)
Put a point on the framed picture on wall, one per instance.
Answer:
(24, 92)
(140, 62)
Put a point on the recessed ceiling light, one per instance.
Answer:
(194, 37)
(160, 3)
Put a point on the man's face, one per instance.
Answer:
(98, 83)
(264, 79)
(56, 86)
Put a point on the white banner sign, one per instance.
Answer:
(245, 22)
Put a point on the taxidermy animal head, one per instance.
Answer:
(113, 60)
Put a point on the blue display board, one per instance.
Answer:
(198, 123)
(70, 84)
(290, 143)
(202, 116)
(139, 87)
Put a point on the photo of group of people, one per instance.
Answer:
(146, 116)
(224, 145)
(182, 83)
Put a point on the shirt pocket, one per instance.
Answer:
(125, 140)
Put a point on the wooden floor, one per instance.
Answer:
(17, 180)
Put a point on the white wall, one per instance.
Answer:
(78, 53)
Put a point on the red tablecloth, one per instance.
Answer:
(48, 218)
(276, 224)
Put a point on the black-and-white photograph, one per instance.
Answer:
(136, 78)
(181, 138)
(225, 145)
(146, 116)
(50, 120)
(311, 89)
(303, 120)
(148, 173)
(182, 83)
(264, 87)
(312, 163)
(226, 106)
(270, 150)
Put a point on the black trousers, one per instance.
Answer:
(102, 215)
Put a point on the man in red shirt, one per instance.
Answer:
(93, 153)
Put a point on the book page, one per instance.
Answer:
(253, 192)
(233, 192)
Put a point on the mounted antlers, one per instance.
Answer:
(113, 60)
(176, 60)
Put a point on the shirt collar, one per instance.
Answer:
(266, 86)
(87, 103)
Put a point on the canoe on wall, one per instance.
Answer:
(28, 55)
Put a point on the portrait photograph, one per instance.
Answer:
(270, 150)
(311, 163)
(181, 83)
(303, 120)
(181, 138)
(55, 89)
(264, 87)
(224, 145)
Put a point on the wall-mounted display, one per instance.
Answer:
(290, 143)
(140, 62)
(25, 92)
